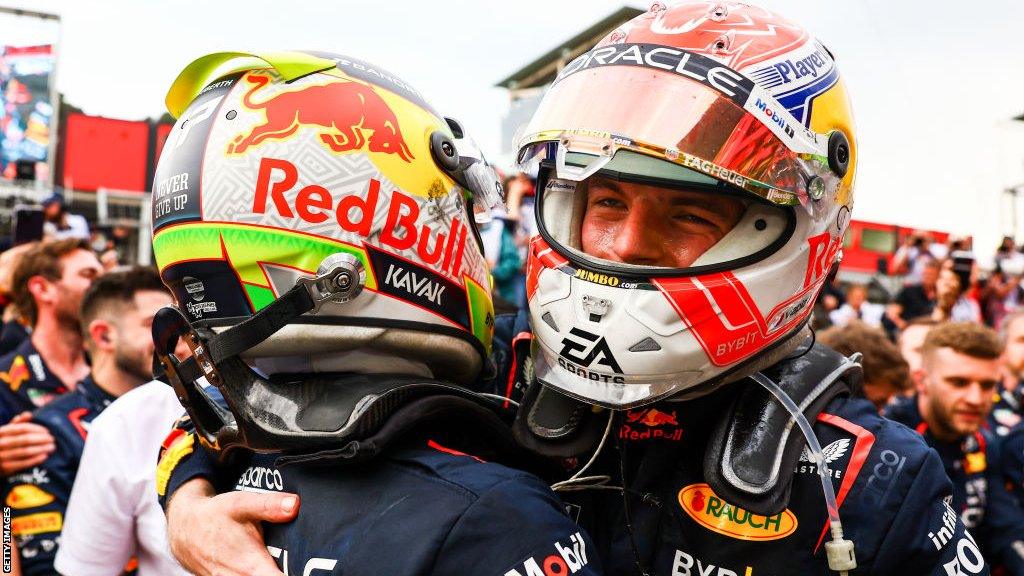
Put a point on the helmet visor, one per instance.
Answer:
(754, 144)
(641, 216)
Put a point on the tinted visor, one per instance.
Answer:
(756, 145)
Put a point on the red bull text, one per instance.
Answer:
(313, 204)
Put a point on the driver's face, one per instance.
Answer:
(646, 225)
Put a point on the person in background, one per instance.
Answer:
(829, 300)
(117, 315)
(112, 513)
(521, 194)
(1000, 292)
(59, 223)
(911, 340)
(912, 256)
(915, 300)
(48, 285)
(1007, 411)
(15, 328)
(857, 307)
(952, 301)
(956, 384)
(886, 373)
(503, 258)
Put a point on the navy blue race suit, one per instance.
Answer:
(12, 333)
(1006, 411)
(26, 383)
(38, 497)
(420, 507)
(980, 495)
(892, 492)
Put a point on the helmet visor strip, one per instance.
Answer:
(756, 144)
(639, 215)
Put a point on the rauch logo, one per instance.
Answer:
(717, 515)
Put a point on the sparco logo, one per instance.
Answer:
(883, 476)
(600, 352)
(700, 68)
(259, 479)
(566, 560)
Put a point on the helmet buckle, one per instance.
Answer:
(340, 278)
(201, 353)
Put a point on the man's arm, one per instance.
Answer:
(23, 444)
(211, 534)
(208, 533)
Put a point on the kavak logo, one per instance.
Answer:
(341, 110)
(717, 515)
(600, 352)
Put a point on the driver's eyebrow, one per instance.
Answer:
(607, 184)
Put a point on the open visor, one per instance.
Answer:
(747, 140)
(692, 223)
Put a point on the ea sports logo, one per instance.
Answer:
(599, 351)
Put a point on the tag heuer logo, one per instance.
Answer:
(599, 352)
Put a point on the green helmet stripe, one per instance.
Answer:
(248, 246)
(481, 312)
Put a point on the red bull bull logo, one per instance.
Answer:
(652, 417)
(343, 111)
(17, 374)
(650, 423)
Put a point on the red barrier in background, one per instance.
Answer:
(104, 152)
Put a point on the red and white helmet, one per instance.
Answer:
(724, 101)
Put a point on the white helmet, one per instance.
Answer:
(744, 143)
